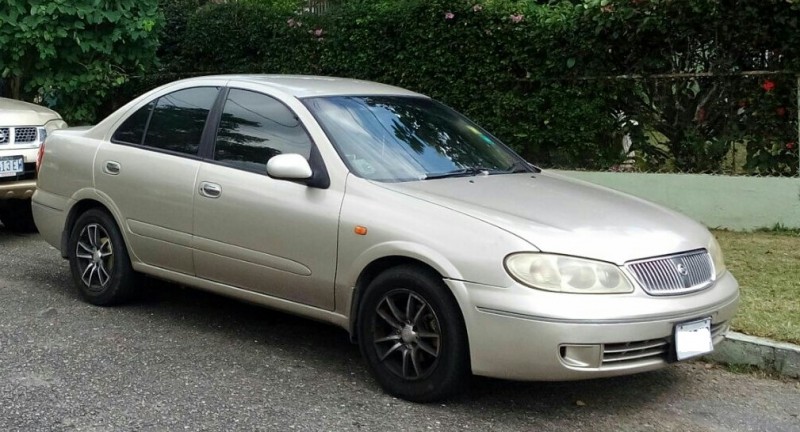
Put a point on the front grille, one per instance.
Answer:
(18, 135)
(24, 135)
(677, 274)
(719, 329)
(618, 353)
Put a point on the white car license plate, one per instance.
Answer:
(11, 165)
(693, 339)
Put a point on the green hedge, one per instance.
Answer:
(518, 68)
(472, 61)
(72, 55)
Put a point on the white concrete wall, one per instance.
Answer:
(734, 202)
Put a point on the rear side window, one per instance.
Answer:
(254, 127)
(132, 130)
(172, 122)
(178, 120)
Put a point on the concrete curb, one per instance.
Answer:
(777, 357)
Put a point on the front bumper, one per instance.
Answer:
(524, 334)
(22, 189)
(23, 185)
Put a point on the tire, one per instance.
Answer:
(412, 335)
(99, 262)
(17, 216)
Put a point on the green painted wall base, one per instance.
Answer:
(733, 202)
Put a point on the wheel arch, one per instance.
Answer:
(77, 209)
(380, 265)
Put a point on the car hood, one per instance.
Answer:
(565, 216)
(19, 113)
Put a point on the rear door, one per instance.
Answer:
(272, 236)
(148, 170)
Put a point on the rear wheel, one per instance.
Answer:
(411, 332)
(17, 216)
(98, 260)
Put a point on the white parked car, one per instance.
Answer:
(23, 127)
(379, 210)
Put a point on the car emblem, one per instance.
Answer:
(682, 270)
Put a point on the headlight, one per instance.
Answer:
(716, 257)
(42, 133)
(567, 274)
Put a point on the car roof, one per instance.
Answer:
(302, 86)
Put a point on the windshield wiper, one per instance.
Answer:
(466, 172)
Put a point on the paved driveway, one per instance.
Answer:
(181, 359)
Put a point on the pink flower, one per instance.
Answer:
(790, 145)
(449, 15)
(477, 8)
(517, 18)
(292, 23)
(768, 86)
(318, 32)
(701, 115)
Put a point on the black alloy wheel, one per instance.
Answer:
(412, 334)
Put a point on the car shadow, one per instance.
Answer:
(5, 232)
(252, 331)
(328, 348)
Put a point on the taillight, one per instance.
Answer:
(39, 157)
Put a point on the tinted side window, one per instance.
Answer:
(178, 120)
(254, 127)
(132, 130)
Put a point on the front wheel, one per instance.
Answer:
(411, 332)
(98, 260)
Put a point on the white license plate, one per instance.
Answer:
(693, 339)
(11, 165)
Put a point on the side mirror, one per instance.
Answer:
(289, 166)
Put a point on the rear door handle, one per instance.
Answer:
(210, 190)
(111, 167)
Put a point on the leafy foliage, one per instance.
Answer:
(479, 61)
(520, 68)
(542, 75)
(700, 122)
(72, 53)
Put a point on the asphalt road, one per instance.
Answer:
(181, 359)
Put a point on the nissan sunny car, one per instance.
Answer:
(382, 211)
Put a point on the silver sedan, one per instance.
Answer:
(379, 210)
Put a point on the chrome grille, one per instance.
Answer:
(719, 329)
(618, 353)
(24, 135)
(4, 135)
(677, 274)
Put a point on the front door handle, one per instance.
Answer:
(210, 190)
(111, 168)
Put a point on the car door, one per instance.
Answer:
(148, 169)
(251, 231)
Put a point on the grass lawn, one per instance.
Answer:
(767, 265)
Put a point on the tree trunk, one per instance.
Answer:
(16, 82)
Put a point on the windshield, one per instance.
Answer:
(395, 138)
